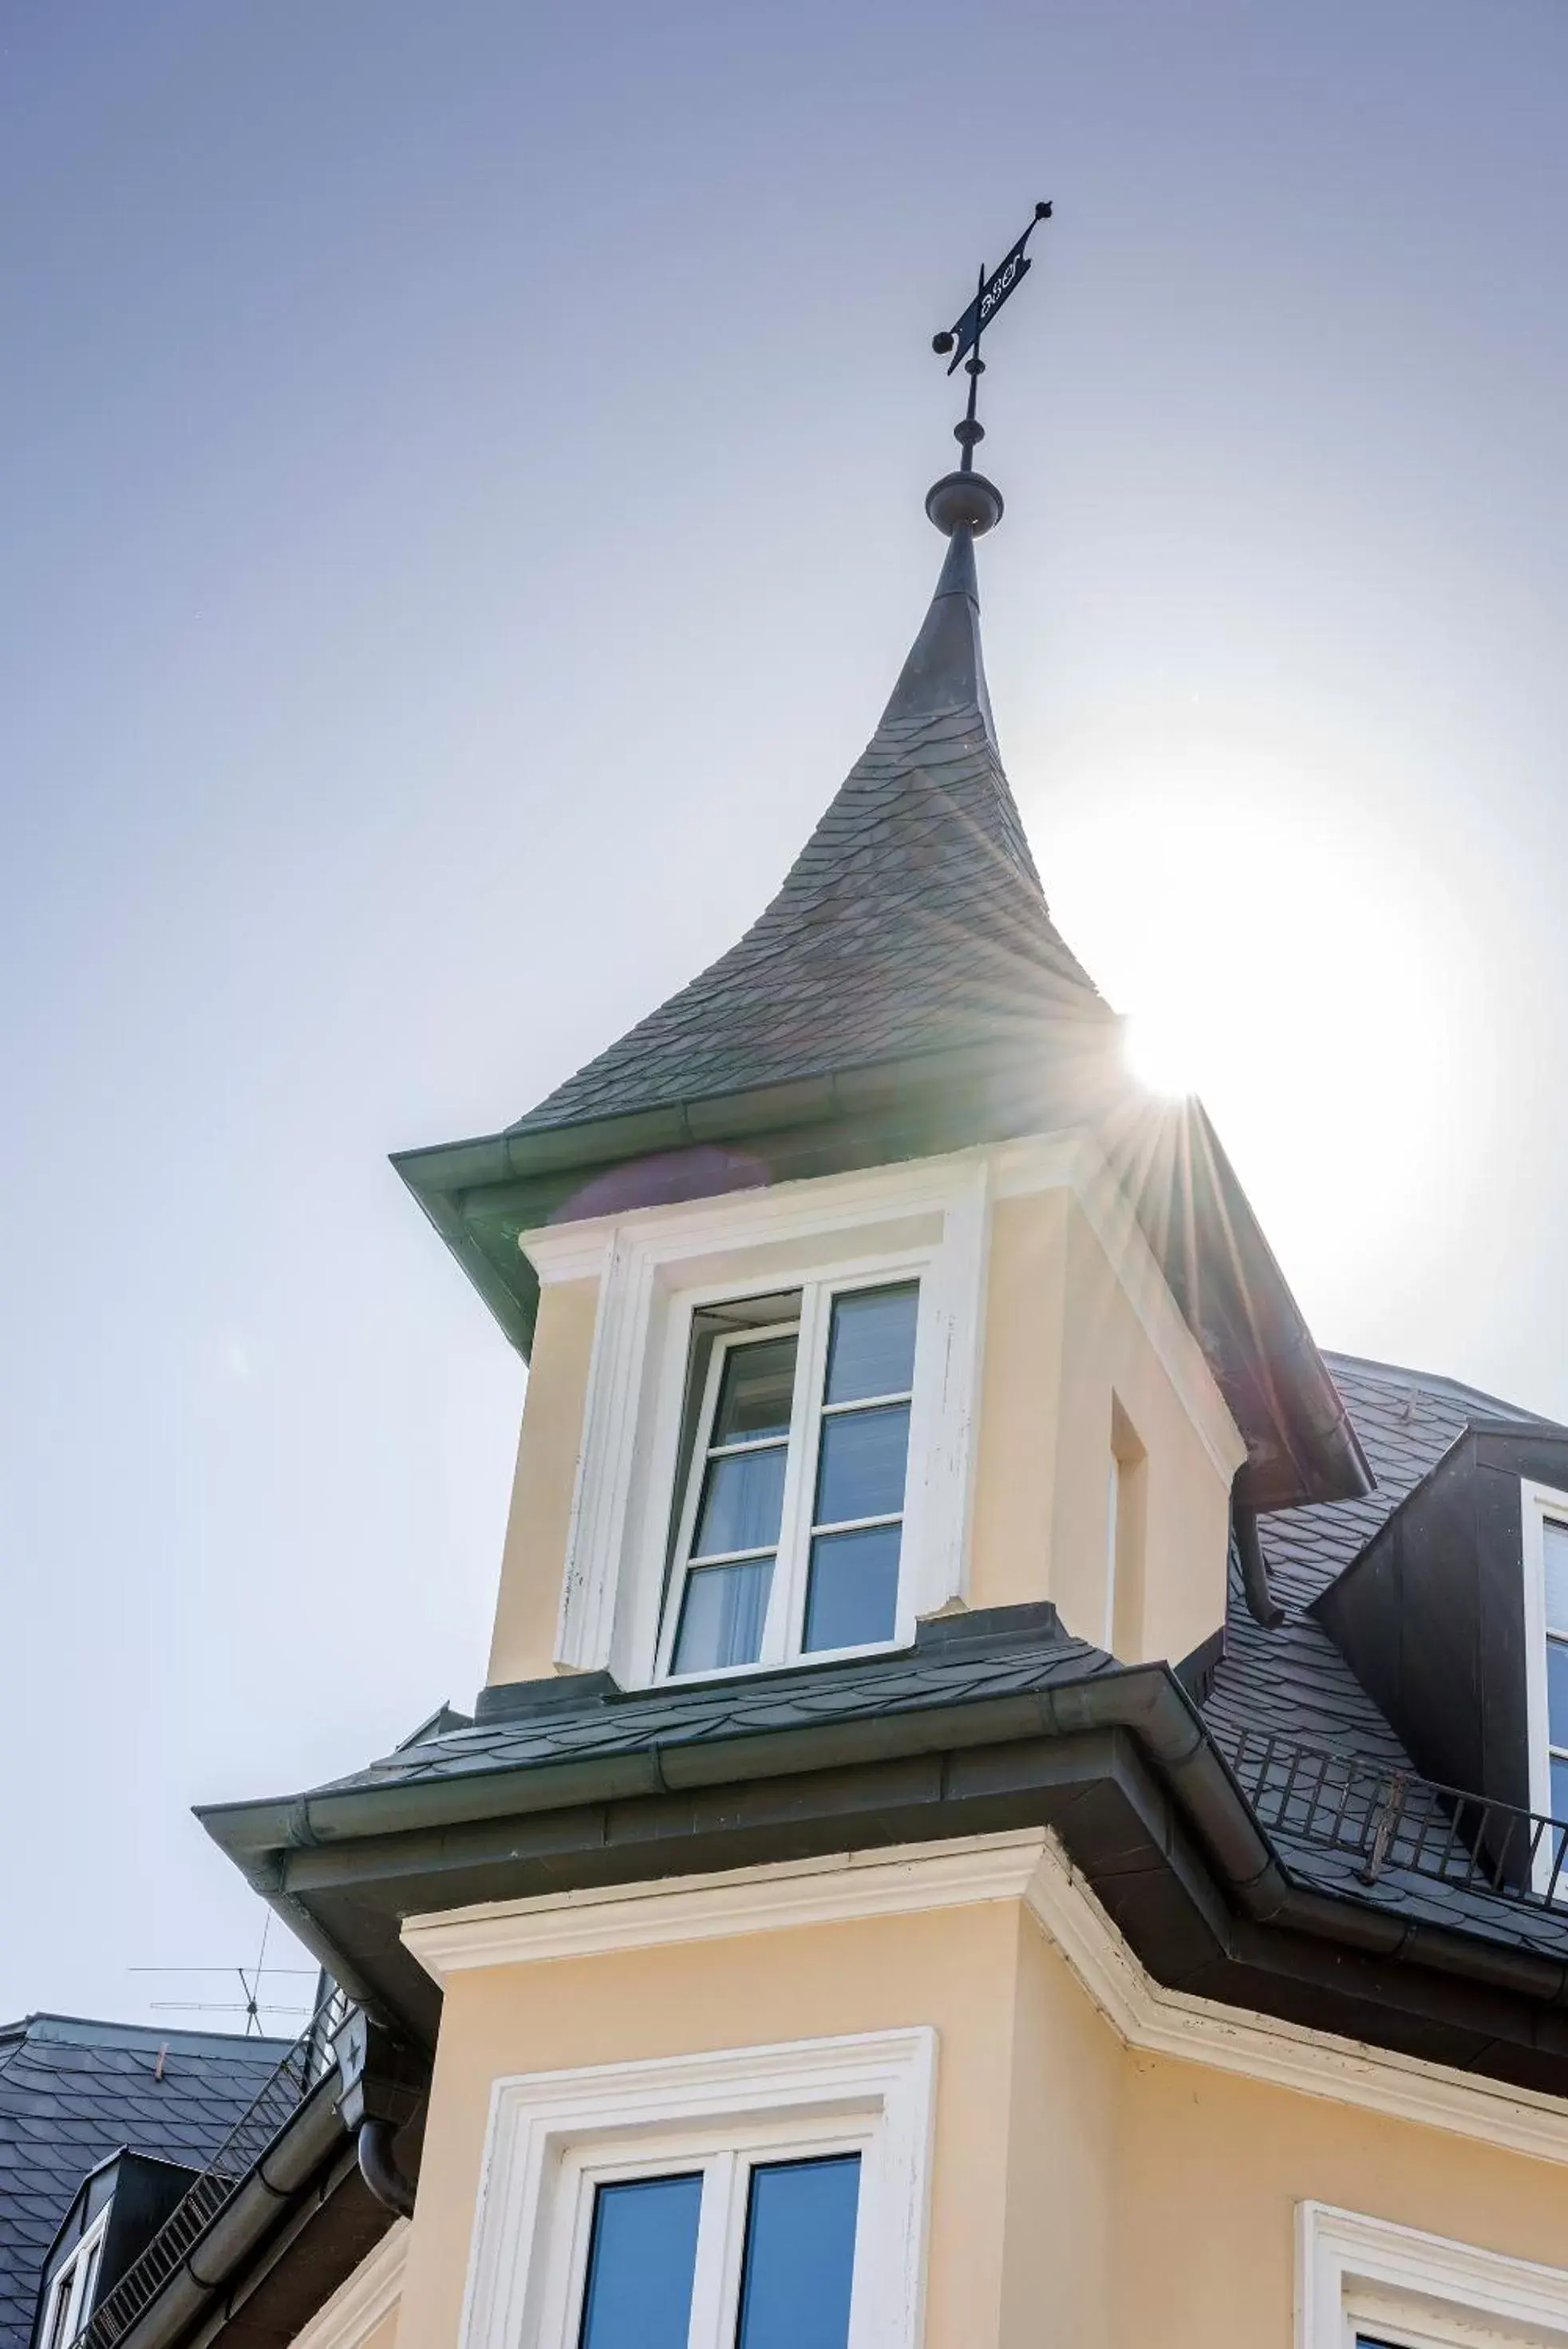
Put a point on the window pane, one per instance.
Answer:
(1557, 1691)
(1560, 1791)
(741, 1495)
(755, 1392)
(722, 1615)
(860, 1468)
(1554, 1540)
(871, 1350)
(853, 1594)
(800, 2254)
(641, 2260)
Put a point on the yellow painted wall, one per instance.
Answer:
(954, 1968)
(1083, 2194)
(1064, 1346)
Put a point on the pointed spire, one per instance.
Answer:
(911, 922)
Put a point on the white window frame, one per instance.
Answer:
(552, 2137)
(73, 2281)
(928, 1221)
(1538, 1505)
(784, 1627)
(1357, 2274)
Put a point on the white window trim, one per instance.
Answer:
(1355, 2273)
(67, 2279)
(928, 1221)
(549, 2130)
(1537, 1503)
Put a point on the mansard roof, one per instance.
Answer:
(912, 921)
(72, 2093)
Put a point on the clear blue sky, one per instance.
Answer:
(460, 474)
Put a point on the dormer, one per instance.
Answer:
(861, 1285)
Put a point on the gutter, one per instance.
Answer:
(219, 2255)
(329, 1840)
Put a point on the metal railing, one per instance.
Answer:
(1392, 1819)
(283, 2091)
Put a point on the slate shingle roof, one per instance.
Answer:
(912, 921)
(72, 2093)
(1293, 1681)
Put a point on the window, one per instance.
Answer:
(1369, 2282)
(1555, 1578)
(1544, 1525)
(792, 1492)
(736, 2255)
(71, 2293)
(750, 2198)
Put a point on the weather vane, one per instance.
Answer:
(962, 339)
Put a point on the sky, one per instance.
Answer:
(461, 481)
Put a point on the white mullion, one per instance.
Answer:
(711, 2295)
(787, 1611)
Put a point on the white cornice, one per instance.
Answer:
(360, 2303)
(1030, 1867)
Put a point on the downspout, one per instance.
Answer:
(379, 2168)
(1262, 1604)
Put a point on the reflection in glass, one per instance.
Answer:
(723, 1612)
(641, 2258)
(1557, 1691)
(741, 1495)
(1554, 1540)
(860, 1471)
(755, 1392)
(1560, 1788)
(852, 1597)
(871, 1350)
(799, 2254)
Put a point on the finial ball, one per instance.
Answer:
(964, 502)
(943, 343)
(1042, 211)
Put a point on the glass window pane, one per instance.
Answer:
(1560, 1791)
(860, 1467)
(756, 1391)
(871, 1350)
(741, 1497)
(1557, 1691)
(800, 2254)
(1554, 1537)
(722, 1615)
(852, 1595)
(641, 2260)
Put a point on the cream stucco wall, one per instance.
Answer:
(532, 1561)
(1082, 2192)
(1063, 1347)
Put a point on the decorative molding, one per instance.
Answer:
(1353, 2269)
(876, 2087)
(360, 2303)
(1030, 1867)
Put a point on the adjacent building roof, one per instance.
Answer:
(74, 2092)
(912, 921)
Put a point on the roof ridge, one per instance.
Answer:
(1438, 1382)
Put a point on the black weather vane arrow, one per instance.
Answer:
(963, 338)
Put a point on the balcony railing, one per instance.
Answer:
(283, 2091)
(1391, 1819)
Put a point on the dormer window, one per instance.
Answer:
(72, 2290)
(791, 1508)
